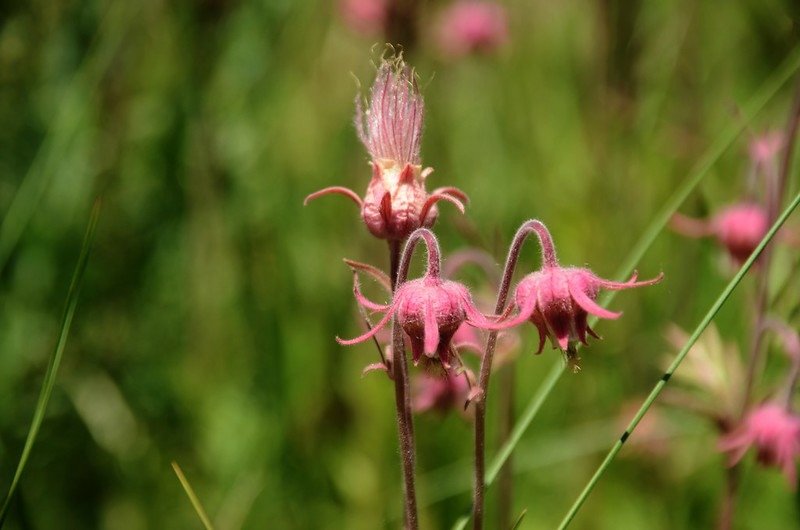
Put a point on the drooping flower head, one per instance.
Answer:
(396, 202)
(470, 26)
(739, 228)
(558, 300)
(429, 309)
(774, 432)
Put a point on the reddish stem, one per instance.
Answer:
(405, 423)
(549, 259)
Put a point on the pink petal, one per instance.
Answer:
(335, 190)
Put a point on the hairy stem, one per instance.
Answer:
(548, 258)
(506, 478)
(405, 423)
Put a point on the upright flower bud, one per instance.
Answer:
(396, 202)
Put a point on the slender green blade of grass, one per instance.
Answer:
(712, 312)
(63, 128)
(55, 358)
(519, 519)
(198, 507)
(766, 92)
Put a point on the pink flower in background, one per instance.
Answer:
(739, 228)
(469, 26)
(367, 17)
(443, 392)
(765, 147)
(773, 432)
(396, 202)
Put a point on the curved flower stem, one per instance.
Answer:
(728, 507)
(405, 423)
(548, 259)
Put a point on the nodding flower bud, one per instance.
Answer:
(470, 26)
(396, 202)
(774, 432)
(429, 309)
(739, 228)
(558, 300)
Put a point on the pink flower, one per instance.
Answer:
(739, 228)
(557, 300)
(775, 434)
(367, 17)
(765, 147)
(396, 202)
(443, 392)
(469, 26)
(429, 309)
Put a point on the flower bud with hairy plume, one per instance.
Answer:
(396, 202)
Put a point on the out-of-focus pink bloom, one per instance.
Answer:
(443, 392)
(773, 432)
(367, 17)
(558, 300)
(765, 147)
(396, 202)
(739, 228)
(470, 26)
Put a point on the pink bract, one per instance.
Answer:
(773, 432)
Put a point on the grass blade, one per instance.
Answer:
(55, 358)
(198, 507)
(723, 297)
(64, 127)
(519, 519)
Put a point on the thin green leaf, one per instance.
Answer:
(712, 312)
(55, 358)
(64, 127)
(198, 507)
(519, 519)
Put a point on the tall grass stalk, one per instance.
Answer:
(55, 358)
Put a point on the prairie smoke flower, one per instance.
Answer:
(367, 17)
(469, 26)
(558, 300)
(396, 202)
(739, 228)
(429, 309)
(774, 432)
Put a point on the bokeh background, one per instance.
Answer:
(205, 329)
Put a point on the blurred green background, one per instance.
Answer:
(205, 329)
